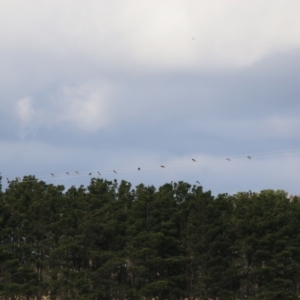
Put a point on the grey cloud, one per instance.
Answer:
(184, 106)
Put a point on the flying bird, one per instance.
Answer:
(198, 182)
(249, 157)
(162, 166)
(67, 173)
(228, 159)
(90, 174)
(52, 174)
(115, 171)
(98, 173)
(76, 172)
(7, 180)
(193, 159)
(139, 169)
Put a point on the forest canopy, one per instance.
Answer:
(111, 241)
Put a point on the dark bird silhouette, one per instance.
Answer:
(249, 157)
(67, 173)
(90, 174)
(98, 173)
(193, 159)
(52, 174)
(228, 159)
(162, 166)
(139, 169)
(76, 172)
(198, 182)
(115, 171)
(8, 181)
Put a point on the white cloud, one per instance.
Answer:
(152, 34)
(86, 107)
(25, 112)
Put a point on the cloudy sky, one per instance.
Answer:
(101, 86)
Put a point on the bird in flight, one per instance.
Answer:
(249, 157)
(7, 180)
(198, 182)
(76, 172)
(139, 169)
(67, 173)
(193, 159)
(228, 159)
(52, 174)
(115, 171)
(98, 173)
(162, 166)
(90, 174)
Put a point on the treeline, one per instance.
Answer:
(110, 241)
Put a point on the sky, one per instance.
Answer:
(102, 86)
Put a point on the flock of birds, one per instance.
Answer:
(151, 167)
(18, 179)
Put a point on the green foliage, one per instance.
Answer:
(109, 241)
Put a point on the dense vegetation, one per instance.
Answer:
(109, 241)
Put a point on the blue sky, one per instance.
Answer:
(100, 86)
